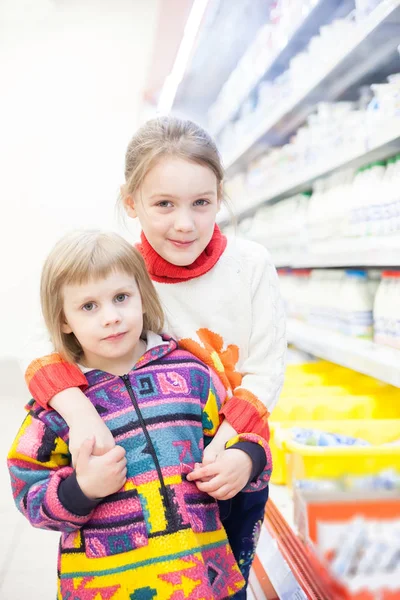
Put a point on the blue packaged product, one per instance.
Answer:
(315, 437)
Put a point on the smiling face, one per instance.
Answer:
(106, 317)
(177, 205)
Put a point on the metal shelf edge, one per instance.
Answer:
(363, 356)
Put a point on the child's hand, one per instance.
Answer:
(100, 476)
(217, 445)
(86, 426)
(225, 477)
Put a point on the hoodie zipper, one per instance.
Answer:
(164, 491)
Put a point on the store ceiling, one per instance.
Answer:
(229, 27)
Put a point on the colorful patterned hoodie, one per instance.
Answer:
(159, 536)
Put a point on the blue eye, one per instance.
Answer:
(121, 297)
(202, 202)
(88, 306)
(164, 204)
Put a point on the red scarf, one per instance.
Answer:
(164, 272)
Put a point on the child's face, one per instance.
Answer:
(106, 317)
(177, 206)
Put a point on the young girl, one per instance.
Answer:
(133, 526)
(221, 302)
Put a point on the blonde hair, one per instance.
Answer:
(168, 136)
(91, 255)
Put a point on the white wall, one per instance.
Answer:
(71, 76)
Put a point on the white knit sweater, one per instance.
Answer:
(238, 299)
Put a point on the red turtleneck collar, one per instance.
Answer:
(164, 272)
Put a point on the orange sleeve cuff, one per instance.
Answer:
(246, 414)
(46, 377)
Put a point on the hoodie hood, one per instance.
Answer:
(157, 346)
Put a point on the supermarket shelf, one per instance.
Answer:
(272, 576)
(341, 259)
(352, 252)
(365, 152)
(271, 564)
(322, 13)
(374, 42)
(366, 357)
(281, 496)
(299, 575)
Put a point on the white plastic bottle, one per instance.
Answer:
(381, 309)
(374, 279)
(396, 307)
(394, 207)
(300, 300)
(367, 188)
(357, 206)
(333, 308)
(357, 304)
(285, 284)
(317, 298)
(388, 197)
(373, 198)
(392, 309)
(397, 196)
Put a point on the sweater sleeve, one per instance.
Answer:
(262, 480)
(50, 374)
(38, 463)
(263, 370)
(211, 421)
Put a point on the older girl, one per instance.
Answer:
(221, 302)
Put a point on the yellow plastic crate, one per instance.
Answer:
(321, 405)
(305, 462)
(322, 391)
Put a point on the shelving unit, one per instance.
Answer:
(343, 253)
(366, 151)
(360, 355)
(283, 563)
(381, 258)
(292, 568)
(323, 12)
(374, 42)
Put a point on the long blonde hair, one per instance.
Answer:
(82, 256)
(168, 136)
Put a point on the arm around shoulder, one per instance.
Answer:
(56, 383)
(50, 374)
